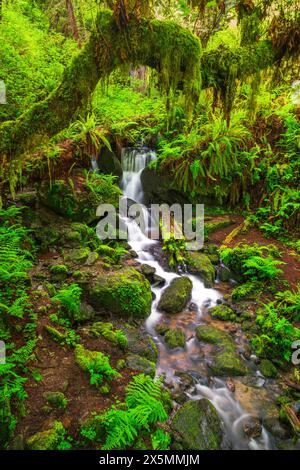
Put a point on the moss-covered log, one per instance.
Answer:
(163, 45)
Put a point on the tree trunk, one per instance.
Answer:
(73, 22)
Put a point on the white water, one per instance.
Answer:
(230, 410)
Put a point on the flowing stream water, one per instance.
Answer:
(190, 358)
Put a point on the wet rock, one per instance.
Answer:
(175, 338)
(223, 312)
(228, 363)
(225, 362)
(268, 369)
(108, 163)
(252, 428)
(224, 273)
(230, 385)
(158, 281)
(186, 380)
(197, 426)
(142, 344)
(175, 297)
(141, 364)
(200, 264)
(193, 307)
(148, 271)
(125, 292)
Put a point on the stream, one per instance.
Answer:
(191, 358)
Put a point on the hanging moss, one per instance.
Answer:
(163, 45)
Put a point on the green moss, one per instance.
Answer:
(197, 426)
(268, 369)
(108, 331)
(96, 363)
(223, 312)
(59, 272)
(56, 399)
(52, 439)
(175, 297)
(212, 335)
(175, 338)
(248, 290)
(200, 264)
(125, 292)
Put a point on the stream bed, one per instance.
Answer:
(192, 358)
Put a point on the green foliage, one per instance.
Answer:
(69, 299)
(278, 334)
(160, 440)
(96, 363)
(108, 332)
(144, 409)
(176, 249)
(289, 302)
(253, 262)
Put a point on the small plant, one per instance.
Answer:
(69, 299)
(261, 268)
(289, 302)
(176, 249)
(96, 363)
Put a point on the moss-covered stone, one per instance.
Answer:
(200, 264)
(228, 363)
(175, 297)
(223, 312)
(56, 399)
(108, 331)
(142, 344)
(78, 255)
(47, 440)
(125, 292)
(78, 204)
(59, 272)
(225, 361)
(175, 338)
(268, 369)
(197, 426)
(141, 364)
(212, 335)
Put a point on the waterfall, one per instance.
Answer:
(230, 410)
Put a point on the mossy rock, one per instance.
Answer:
(210, 334)
(222, 312)
(175, 338)
(228, 363)
(142, 344)
(78, 255)
(141, 364)
(109, 164)
(197, 426)
(78, 204)
(200, 264)
(59, 272)
(108, 332)
(47, 440)
(268, 369)
(176, 296)
(125, 292)
(56, 399)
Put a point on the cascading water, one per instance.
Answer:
(189, 358)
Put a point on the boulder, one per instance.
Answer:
(47, 440)
(175, 338)
(141, 364)
(56, 399)
(223, 312)
(197, 426)
(142, 344)
(200, 264)
(125, 292)
(225, 361)
(109, 164)
(175, 297)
